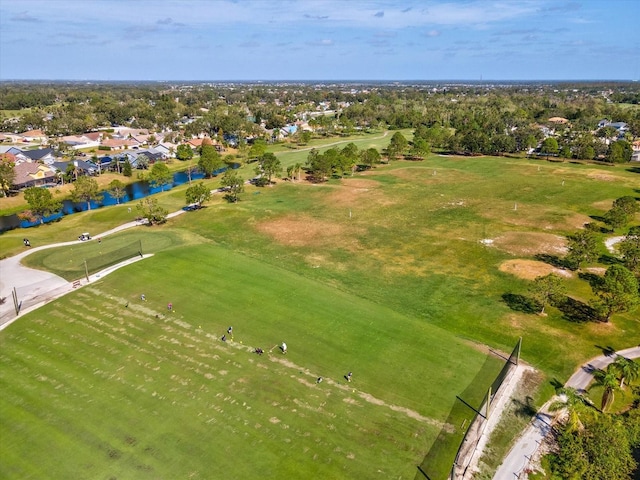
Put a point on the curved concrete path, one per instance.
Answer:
(518, 459)
(46, 286)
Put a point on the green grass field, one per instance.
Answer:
(383, 274)
(138, 392)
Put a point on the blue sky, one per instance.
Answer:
(319, 39)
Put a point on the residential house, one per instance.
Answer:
(76, 142)
(81, 167)
(119, 143)
(44, 155)
(167, 149)
(31, 136)
(31, 174)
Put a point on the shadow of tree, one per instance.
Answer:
(556, 384)
(525, 409)
(609, 259)
(552, 260)
(607, 351)
(634, 169)
(591, 278)
(520, 303)
(576, 311)
(597, 218)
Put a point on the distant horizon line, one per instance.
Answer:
(355, 81)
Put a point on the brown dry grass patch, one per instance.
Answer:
(531, 269)
(531, 243)
(358, 191)
(303, 230)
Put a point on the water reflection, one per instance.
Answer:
(133, 191)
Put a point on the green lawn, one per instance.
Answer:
(383, 274)
(124, 389)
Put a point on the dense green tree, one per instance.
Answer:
(575, 404)
(257, 149)
(619, 151)
(117, 190)
(198, 194)
(625, 369)
(616, 292)
(41, 203)
(582, 247)
(160, 175)
(629, 248)
(320, 166)
(210, 160)
(268, 166)
(548, 290)
(370, 157)
(549, 146)
(608, 381)
(7, 177)
(628, 204)
(601, 451)
(184, 152)
(127, 169)
(154, 213)
(234, 183)
(420, 148)
(622, 211)
(85, 189)
(397, 146)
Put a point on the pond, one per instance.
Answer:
(133, 191)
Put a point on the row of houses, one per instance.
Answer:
(45, 167)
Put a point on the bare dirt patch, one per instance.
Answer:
(531, 269)
(531, 243)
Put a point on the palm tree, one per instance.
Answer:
(626, 369)
(571, 400)
(608, 380)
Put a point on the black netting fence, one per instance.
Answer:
(451, 453)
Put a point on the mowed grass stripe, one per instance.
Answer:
(122, 393)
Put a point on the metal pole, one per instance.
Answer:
(86, 270)
(140, 249)
(519, 347)
(16, 305)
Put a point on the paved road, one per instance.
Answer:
(520, 455)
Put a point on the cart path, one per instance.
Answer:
(518, 458)
(13, 274)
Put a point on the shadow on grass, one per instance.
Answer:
(552, 260)
(556, 384)
(634, 169)
(525, 409)
(576, 311)
(591, 278)
(609, 260)
(520, 303)
(607, 351)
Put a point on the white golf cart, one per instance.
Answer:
(84, 237)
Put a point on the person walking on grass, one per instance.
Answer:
(283, 347)
(170, 307)
(348, 376)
